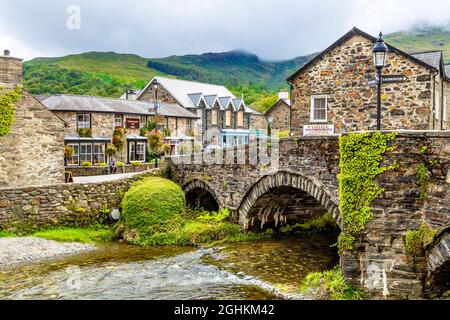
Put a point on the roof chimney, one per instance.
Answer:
(10, 70)
(283, 95)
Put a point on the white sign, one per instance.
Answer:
(318, 130)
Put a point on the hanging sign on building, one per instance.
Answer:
(132, 123)
(318, 130)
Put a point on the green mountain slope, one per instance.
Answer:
(422, 39)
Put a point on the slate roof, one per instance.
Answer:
(349, 35)
(211, 99)
(76, 103)
(447, 71)
(195, 98)
(286, 101)
(432, 58)
(181, 89)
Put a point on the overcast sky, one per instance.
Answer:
(273, 29)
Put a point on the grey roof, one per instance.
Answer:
(447, 70)
(174, 110)
(195, 98)
(75, 103)
(211, 99)
(237, 103)
(431, 58)
(76, 137)
(224, 101)
(252, 111)
(135, 137)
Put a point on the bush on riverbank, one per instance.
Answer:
(154, 213)
(329, 285)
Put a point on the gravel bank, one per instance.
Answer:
(30, 249)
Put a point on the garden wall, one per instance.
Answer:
(30, 208)
(99, 171)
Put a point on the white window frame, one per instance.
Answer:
(100, 155)
(319, 96)
(437, 108)
(89, 154)
(142, 122)
(76, 155)
(444, 111)
(85, 123)
(140, 151)
(117, 116)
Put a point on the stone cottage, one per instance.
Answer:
(32, 153)
(331, 93)
(279, 115)
(223, 119)
(101, 116)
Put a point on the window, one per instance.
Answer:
(437, 107)
(140, 151)
(240, 119)
(73, 161)
(286, 121)
(236, 140)
(85, 152)
(188, 125)
(445, 109)
(132, 152)
(214, 117)
(143, 123)
(228, 118)
(118, 120)
(99, 153)
(83, 120)
(319, 108)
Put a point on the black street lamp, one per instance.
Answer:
(379, 60)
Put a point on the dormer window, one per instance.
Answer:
(228, 118)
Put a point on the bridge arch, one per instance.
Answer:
(200, 195)
(438, 262)
(293, 187)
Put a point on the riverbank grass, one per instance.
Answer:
(329, 285)
(82, 235)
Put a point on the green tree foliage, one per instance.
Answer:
(8, 108)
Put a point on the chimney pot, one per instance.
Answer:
(7, 53)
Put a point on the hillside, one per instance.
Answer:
(422, 38)
(110, 74)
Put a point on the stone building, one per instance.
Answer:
(279, 115)
(102, 115)
(223, 119)
(32, 153)
(331, 93)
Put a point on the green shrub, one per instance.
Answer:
(110, 150)
(84, 235)
(136, 163)
(329, 285)
(283, 134)
(417, 240)
(120, 164)
(220, 216)
(85, 132)
(423, 177)
(103, 165)
(152, 205)
(6, 234)
(86, 164)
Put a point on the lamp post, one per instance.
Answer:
(156, 87)
(379, 60)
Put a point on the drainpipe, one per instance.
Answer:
(291, 88)
(442, 104)
(434, 101)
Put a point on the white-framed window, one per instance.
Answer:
(437, 109)
(188, 125)
(228, 118)
(240, 119)
(83, 120)
(319, 108)
(99, 154)
(140, 151)
(85, 152)
(143, 123)
(214, 117)
(73, 161)
(118, 120)
(445, 108)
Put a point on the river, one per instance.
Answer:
(268, 269)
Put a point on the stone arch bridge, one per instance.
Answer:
(296, 179)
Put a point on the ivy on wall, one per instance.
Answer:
(360, 163)
(8, 109)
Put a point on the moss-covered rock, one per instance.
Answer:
(151, 206)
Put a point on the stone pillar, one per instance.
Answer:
(10, 70)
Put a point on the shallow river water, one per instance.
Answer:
(269, 269)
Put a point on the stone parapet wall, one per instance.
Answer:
(31, 208)
(99, 171)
